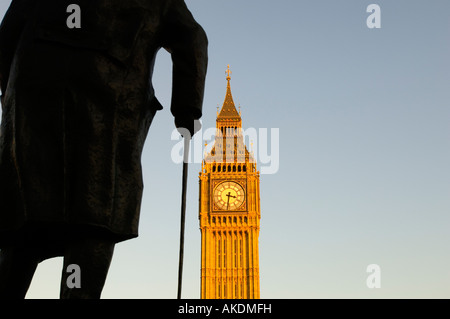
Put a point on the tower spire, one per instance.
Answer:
(228, 108)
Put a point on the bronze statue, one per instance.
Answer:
(77, 105)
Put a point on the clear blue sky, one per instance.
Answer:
(364, 163)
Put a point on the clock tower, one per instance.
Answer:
(229, 211)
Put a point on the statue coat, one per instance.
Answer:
(76, 108)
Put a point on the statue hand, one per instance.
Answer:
(187, 126)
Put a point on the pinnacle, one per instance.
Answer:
(228, 108)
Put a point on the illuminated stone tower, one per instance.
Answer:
(229, 211)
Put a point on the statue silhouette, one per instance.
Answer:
(77, 104)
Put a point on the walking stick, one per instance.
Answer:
(183, 213)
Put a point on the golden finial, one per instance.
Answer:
(228, 72)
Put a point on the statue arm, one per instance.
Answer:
(10, 31)
(186, 40)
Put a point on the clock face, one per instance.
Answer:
(229, 196)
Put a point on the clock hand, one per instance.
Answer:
(228, 200)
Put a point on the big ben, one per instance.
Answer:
(229, 211)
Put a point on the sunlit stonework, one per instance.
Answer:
(229, 211)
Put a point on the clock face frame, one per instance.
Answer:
(229, 196)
